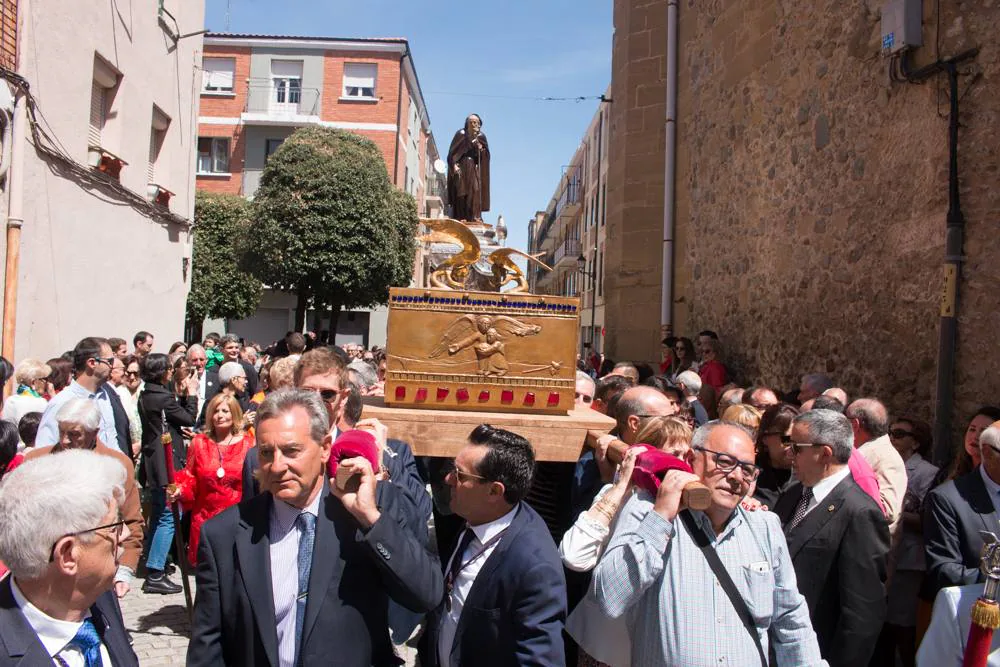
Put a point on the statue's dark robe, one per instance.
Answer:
(469, 190)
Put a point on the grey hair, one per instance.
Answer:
(50, 497)
(365, 375)
(230, 370)
(703, 432)
(818, 382)
(279, 402)
(229, 338)
(195, 347)
(583, 377)
(990, 436)
(829, 427)
(82, 411)
(691, 382)
(30, 370)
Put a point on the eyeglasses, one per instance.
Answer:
(899, 433)
(132, 374)
(584, 397)
(799, 447)
(463, 476)
(328, 395)
(728, 464)
(119, 528)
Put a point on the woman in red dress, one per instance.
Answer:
(213, 478)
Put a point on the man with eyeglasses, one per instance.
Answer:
(92, 365)
(838, 539)
(61, 537)
(656, 568)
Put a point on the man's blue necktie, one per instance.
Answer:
(89, 643)
(306, 523)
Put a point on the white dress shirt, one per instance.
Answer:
(201, 390)
(464, 580)
(55, 634)
(823, 487)
(284, 551)
(992, 488)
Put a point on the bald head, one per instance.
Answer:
(639, 403)
(869, 419)
(837, 393)
(760, 397)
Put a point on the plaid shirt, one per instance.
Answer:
(655, 574)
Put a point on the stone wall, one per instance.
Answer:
(812, 193)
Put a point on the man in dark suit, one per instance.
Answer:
(505, 594)
(301, 574)
(954, 513)
(59, 609)
(231, 347)
(838, 539)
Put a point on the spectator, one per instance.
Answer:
(160, 408)
(129, 392)
(197, 359)
(812, 385)
(954, 515)
(363, 375)
(233, 382)
(745, 415)
(585, 388)
(912, 439)
(179, 347)
(837, 393)
(62, 374)
(119, 347)
(92, 363)
(31, 378)
(628, 370)
(870, 422)
(608, 391)
(654, 570)
(295, 342)
(143, 343)
(711, 370)
(730, 397)
(231, 348)
(27, 429)
(969, 457)
(683, 359)
(759, 397)
(824, 402)
(282, 373)
(212, 479)
(78, 421)
(10, 458)
(505, 559)
(774, 453)
(838, 540)
(607, 365)
(62, 550)
(689, 382)
(367, 555)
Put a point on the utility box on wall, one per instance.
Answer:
(901, 25)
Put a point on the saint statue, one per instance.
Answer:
(469, 172)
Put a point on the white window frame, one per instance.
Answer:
(286, 86)
(356, 76)
(216, 77)
(218, 157)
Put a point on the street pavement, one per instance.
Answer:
(160, 628)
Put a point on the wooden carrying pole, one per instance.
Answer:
(696, 495)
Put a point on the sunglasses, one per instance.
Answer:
(328, 395)
(728, 464)
(786, 440)
(463, 476)
(800, 447)
(899, 433)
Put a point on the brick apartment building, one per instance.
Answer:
(258, 89)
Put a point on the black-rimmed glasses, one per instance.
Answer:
(119, 527)
(728, 464)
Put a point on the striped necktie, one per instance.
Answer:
(800, 509)
(306, 523)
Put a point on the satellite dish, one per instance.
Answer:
(439, 166)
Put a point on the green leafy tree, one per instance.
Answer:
(327, 224)
(219, 287)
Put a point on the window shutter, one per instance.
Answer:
(359, 79)
(151, 172)
(98, 95)
(218, 73)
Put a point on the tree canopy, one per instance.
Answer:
(219, 287)
(328, 225)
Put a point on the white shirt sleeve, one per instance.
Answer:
(942, 646)
(583, 543)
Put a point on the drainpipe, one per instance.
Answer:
(670, 159)
(15, 213)
(399, 119)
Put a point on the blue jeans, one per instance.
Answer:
(161, 529)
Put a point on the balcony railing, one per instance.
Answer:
(270, 103)
(569, 250)
(572, 190)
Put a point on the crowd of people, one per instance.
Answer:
(715, 524)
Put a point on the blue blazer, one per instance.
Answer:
(21, 646)
(516, 609)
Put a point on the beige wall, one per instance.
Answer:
(91, 265)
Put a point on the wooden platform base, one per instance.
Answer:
(445, 432)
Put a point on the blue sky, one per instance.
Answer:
(477, 56)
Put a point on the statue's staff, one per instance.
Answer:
(985, 611)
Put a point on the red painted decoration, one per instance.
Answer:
(422, 394)
(506, 396)
(442, 393)
(462, 395)
(484, 396)
(400, 393)
(553, 399)
(529, 398)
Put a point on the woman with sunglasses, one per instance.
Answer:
(774, 454)
(213, 478)
(683, 358)
(128, 391)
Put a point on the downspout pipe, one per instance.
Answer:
(15, 219)
(670, 171)
(399, 117)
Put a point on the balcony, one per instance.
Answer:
(571, 196)
(281, 105)
(567, 252)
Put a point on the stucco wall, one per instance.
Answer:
(90, 265)
(812, 193)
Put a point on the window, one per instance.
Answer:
(604, 204)
(359, 80)
(270, 146)
(102, 89)
(286, 85)
(600, 272)
(213, 155)
(157, 132)
(217, 75)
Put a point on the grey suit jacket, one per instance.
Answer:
(21, 646)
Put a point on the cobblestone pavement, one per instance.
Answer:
(160, 628)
